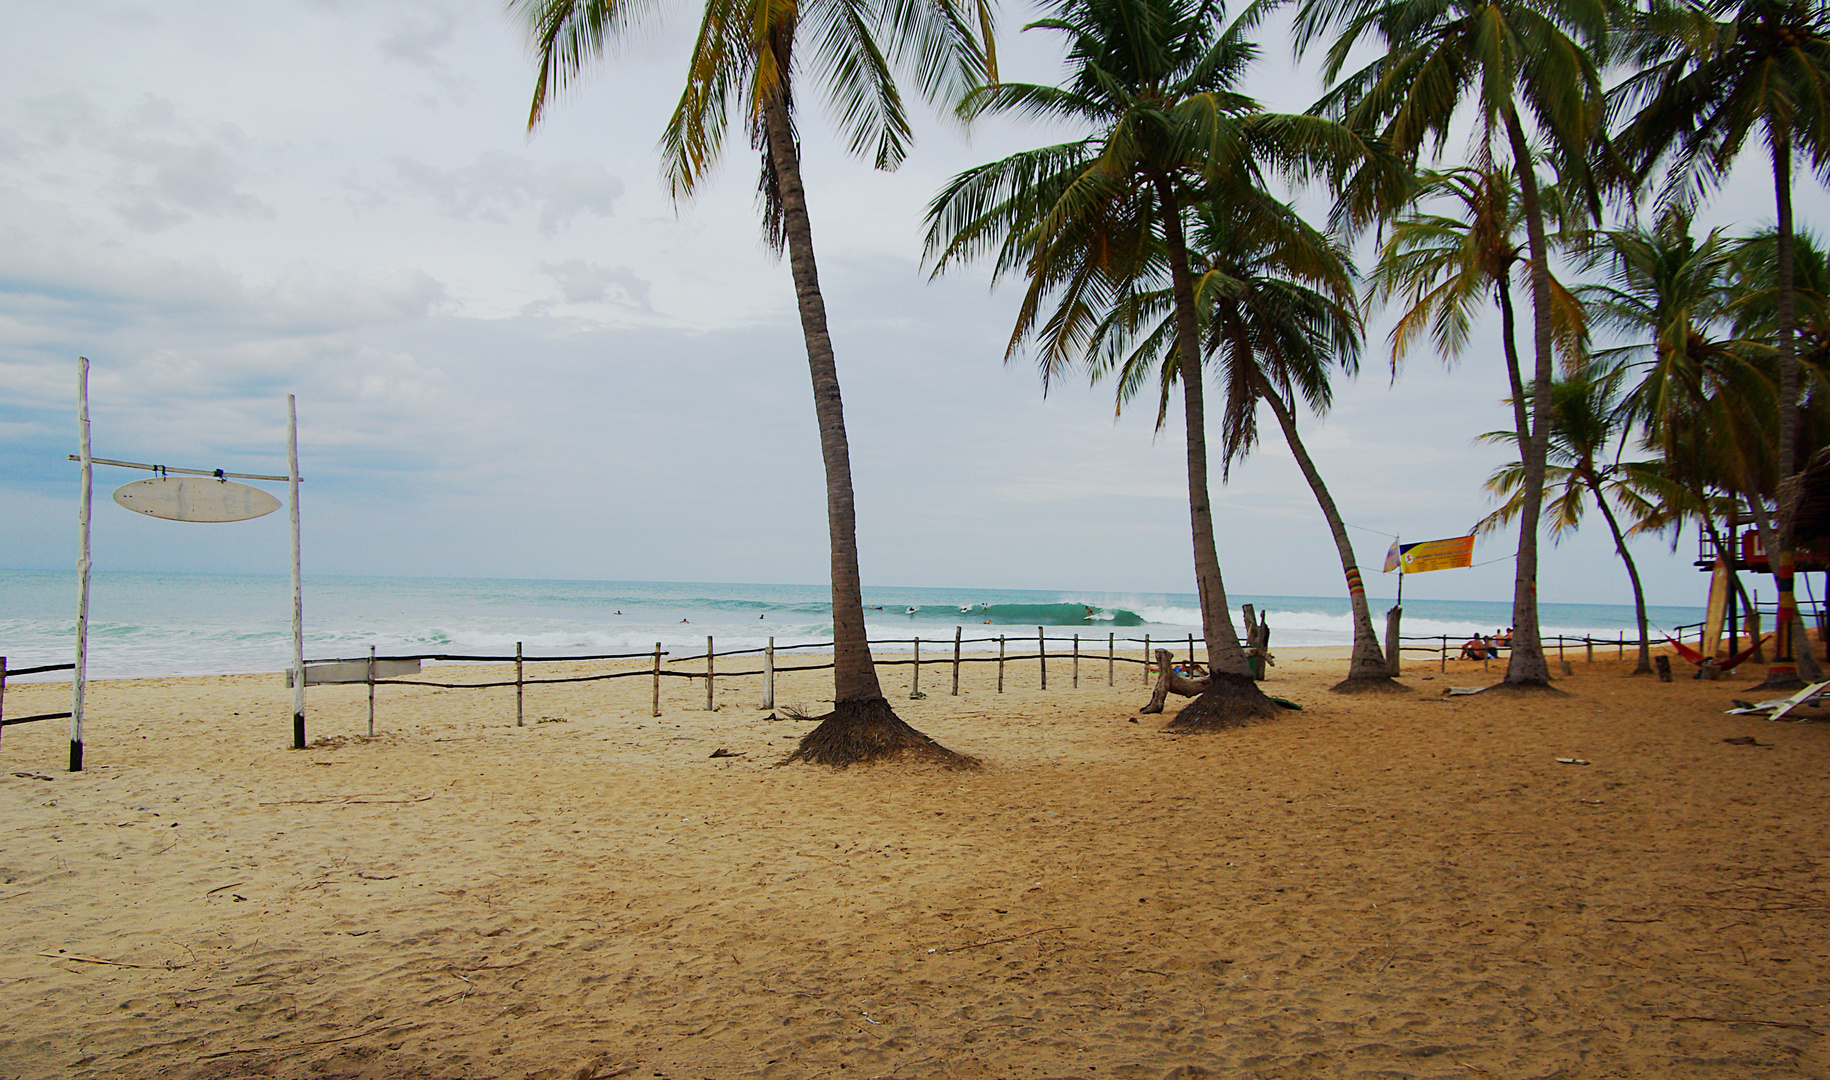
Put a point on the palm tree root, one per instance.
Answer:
(1522, 689)
(1371, 683)
(864, 731)
(1229, 701)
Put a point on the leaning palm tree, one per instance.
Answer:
(1094, 220)
(1276, 300)
(1444, 267)
(1508, 62)
(745, 59)
(1716, 72)
(1587, 433)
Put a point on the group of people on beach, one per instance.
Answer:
(1487, 647)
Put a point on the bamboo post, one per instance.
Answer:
(1000, 663)
(80, 677)
(298, 580)
(657, 678)
(1146, 659)
(956, 633)
(915, 684)
(1076, 661)
(1111, 656)
(1042, 656)
(519, 722)
(769, 675)
(708, 673)
(371, 682)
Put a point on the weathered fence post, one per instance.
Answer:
(2, 692)
(1076, 661)
(956, 633)
(518, 719)
(1559, 648)
(915, 685)
(1191, 648)
(1111, 656)
(769, 675)
(1000, 663)
(1146, 659)
(1590, 643)
(1042, 656)
(657, 678)
(1445, 655)
(1623, 644)
(708, 672)
(371, 691)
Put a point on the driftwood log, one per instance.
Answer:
(1170, 681)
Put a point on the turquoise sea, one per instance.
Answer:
(146, 624)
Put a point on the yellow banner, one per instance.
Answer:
(1450, 554)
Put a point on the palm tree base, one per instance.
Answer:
(1523, 689)
(863, 731)
(1782, 682)
(1369, 684)
(1230, 701)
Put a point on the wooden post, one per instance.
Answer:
(2, 693)
(657, 678)
(915, 684)
(956, 661)
(1042, 656)
(1146, 658)
(769, 675)
(298, 581)
(1191, 648)
(1394, 639)
(1623, 645)
(1076, 661)
(1445, 655)
(519, 722)
(708, 673)
(1559, 648)
(1000, 663)
(80, 678)
(1589, 642)
(1111, 656)
(371, 682)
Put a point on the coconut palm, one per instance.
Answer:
(1713, 74)
(1277, 307)
(1587, 433)
(746, 59)
(1445, 266)
(1100, 218)
(1510, 63)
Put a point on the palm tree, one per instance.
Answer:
(1715, 72)
(1444, 265)
(1505, 59)
(1278, 312)
(746, 58)
(1587, 433)
(1100, 218)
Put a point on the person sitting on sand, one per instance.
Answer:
(1475, 648)
(1504, 640)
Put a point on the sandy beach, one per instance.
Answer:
(1385, 886)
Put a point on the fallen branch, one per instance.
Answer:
(81, 959)
(1002, 940)
(347, 800)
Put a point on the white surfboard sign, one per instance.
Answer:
(195, 498)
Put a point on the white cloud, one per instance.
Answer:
(497, 186)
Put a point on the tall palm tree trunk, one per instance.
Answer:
(1509, 342)
(1644, 666)
(1367, 665)
(862, 726)
(1527, 666)
(1232, 696)
(1783, 673)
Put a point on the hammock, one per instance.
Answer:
(1697, 658)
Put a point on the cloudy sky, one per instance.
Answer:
(516, 357)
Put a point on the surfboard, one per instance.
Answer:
(195, 498)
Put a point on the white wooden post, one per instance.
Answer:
(519, 721)
(298, 584)
(79, 681)
(915, 685)
(769, 675)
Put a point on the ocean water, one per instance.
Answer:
(144, 624)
